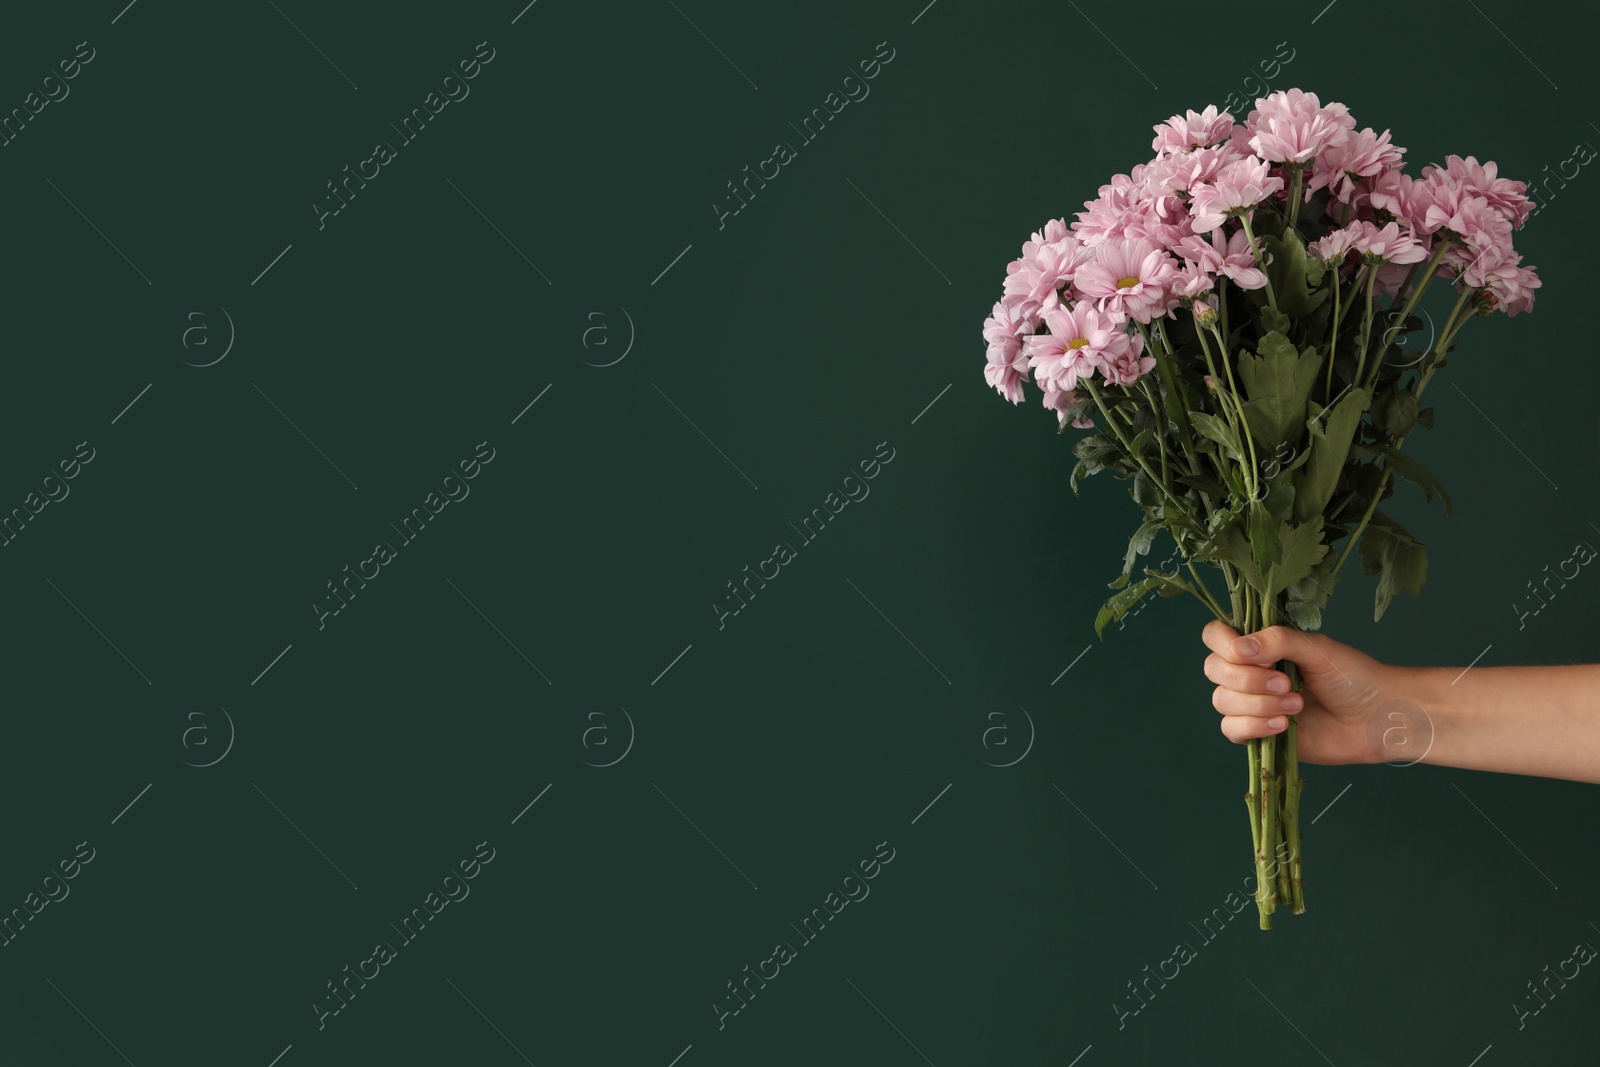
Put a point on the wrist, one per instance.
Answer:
(1410, 723)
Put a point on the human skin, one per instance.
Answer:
(1542, 721)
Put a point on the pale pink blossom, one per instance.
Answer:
(1387, 245)
(1007, 366)
(1291, 126)
(1433, 201)
(1191, 282)
(1228, 256)
(1181, 133)
(1336, 245)
(1388, 192)
(1081, 340)
(1163, 219)
(1510, 287)
(1129, 364)
(1361, 155)
(1035, 280)
(1506, 196)
(1479, 224)
(1130, 275)
(1182, 171)
(1239, 187)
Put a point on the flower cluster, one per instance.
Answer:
(1081, 299)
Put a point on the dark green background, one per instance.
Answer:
(797, 338)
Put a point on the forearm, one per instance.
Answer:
(1541, 721)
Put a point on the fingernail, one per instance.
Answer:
(1278, 685)
(1247, 646)
(1277, 722)
(1290, 702)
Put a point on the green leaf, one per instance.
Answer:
(1145, 492)
(1415, 473)
(1395, 411)
(1401, 562)
(1274, 321)
(1227, 543)
(1330, 434)
(1121, 603)
(1300, 459)
(1305, 599)
(1263, 535)
(1170, 585)
(1315, 269)
(1286, 267)
(1205, 484)
(1278, 381)
(1138, 545)
(1300, 548)
(1217, 429)
(1280, 500)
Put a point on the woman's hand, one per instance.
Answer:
(1342, 690)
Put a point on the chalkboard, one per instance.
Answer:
(765, 607)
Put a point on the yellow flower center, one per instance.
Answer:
(1127, 283)
(1077, 342)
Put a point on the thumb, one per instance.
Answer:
(1266, 647)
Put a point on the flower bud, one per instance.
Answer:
(1205, 315)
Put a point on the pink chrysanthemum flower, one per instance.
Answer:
(1504, 195)
(1080, 341)
(1238, 188)
(1182, 171)
(1132, 276)
(1182, 133)
(1007, 367)
(1387, 245)
(1291, 126)
(1164, 220)
(1034, 282)
(1228, 256)
(1477, 223)
(1191, 282)
(1129, 364)
(1387, 193)
(1336, 245)
(1362, 155)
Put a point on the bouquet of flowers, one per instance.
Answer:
(1230, 319)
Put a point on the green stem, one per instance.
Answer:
(1116, 428)
(1252, 801)
(1209, 600)
(1333, 338)
(1441, 345)
(1269, 802)
(1422, 287)
(1405, 286)
(1176, 408)
(1455, 320)
(1294, 785)
(1161, 438)
(1294, 195)
(1366, 322)
(1244, 423)
(1260, 262)
(1292, 883)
